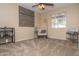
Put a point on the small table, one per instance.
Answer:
(73, 36)
(7, 35)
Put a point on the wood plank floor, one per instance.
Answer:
(39, 47)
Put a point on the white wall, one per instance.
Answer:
(24, 33)
(72, 18)
(9, 17)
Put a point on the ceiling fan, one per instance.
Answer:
(43, 5)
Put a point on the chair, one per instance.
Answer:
(42, 33)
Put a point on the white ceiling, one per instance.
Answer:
(35, 9)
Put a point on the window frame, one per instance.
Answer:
(55, 21)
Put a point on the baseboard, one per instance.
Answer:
(23, 39)
(36, 38)
(56, 38)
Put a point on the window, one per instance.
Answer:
(59, 21)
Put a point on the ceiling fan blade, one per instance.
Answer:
(49, 4)
(35, 5)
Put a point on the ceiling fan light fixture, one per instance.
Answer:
(41, 6)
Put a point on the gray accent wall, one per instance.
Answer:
(26, 17)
